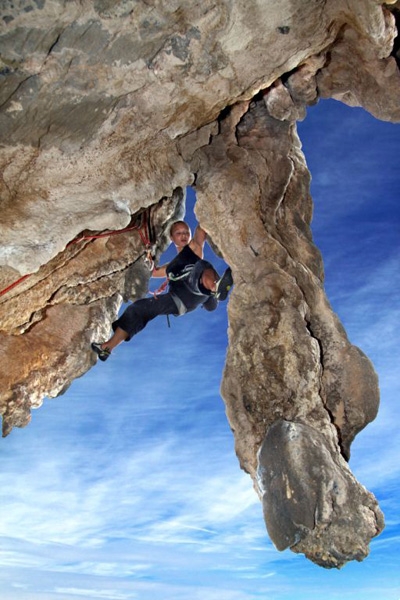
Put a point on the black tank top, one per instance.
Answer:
(184, 272)
(179, 265)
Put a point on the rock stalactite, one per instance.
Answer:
(289, 359)
(112, 107)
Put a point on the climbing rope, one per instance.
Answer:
(161, 289)
(143, 226)
(13, 285)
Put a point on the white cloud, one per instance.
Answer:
(93, 593)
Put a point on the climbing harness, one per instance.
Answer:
(142, 224)
(183, 275)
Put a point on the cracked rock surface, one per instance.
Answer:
(110, 108)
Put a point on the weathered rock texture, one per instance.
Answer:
(108, 108)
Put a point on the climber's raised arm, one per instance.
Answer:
(198, 241)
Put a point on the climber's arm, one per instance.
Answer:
(198, 241)
(160, 271)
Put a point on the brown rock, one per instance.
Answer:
(309, 493)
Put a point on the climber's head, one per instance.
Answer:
(180, 234)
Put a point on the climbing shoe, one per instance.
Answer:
(102, 353)
(224, 285)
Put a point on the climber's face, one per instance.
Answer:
(181, 234)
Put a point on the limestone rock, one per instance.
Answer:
(309, 493)
(111, 107)
(50, 318)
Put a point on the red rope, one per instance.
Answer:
(162, 287)
(144, 236)
(10, 287)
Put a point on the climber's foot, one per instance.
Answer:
(224, 285)
(102, 353)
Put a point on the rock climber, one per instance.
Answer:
(193, 282)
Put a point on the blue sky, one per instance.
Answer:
(127, 487)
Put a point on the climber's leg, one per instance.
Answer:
(209, 279)
(224, 284)
(134, 319)
(219, 286)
